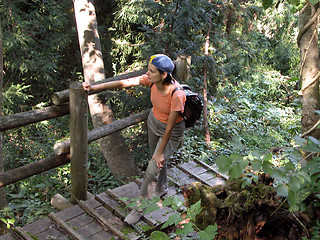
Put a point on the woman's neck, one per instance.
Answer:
(164, 89)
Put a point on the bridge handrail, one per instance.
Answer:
(61, 97)
(61, 149)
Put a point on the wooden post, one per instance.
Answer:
(78, 141)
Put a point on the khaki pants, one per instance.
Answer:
(156, 130)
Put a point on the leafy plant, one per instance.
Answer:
(185, 226)
(291, 180)
(7, 217)
(315, 231)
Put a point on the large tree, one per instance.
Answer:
(310, 69)
(3, 200)
(112, 146)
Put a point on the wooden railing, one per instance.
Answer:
(74, 102)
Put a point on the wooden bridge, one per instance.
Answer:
(101, 217)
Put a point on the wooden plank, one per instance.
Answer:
(70, 213)
(53, 233)
(178, 177)
(22, 233)
(213, 168)
(193, 167)
(216, 181)
(212, 180)
(38, 226)
(93, 203)
(105, 223)
(160, 215)
(103, 235)
(64, 226)
(7, 236)
(189, 170)
(130, 191)
(207, 175)
(79, 221)
(117, 214)
(112, 205)
(89, 230)
(104, 212)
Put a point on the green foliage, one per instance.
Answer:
(292, 181)
(187, 228)
(7, 216)
(14, 98)
(37, 39)
(315, 231)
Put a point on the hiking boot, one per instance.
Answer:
(160, 194)
(133, 217)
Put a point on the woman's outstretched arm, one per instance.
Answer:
(134, 81)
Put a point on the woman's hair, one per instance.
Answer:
(169, 78)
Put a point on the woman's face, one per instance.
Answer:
(153, 74)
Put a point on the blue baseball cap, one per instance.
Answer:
(162, 62)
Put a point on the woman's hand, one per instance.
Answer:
(159, 158)
(86, 86)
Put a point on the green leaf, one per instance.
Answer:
(314, 140)
(279, 175)
(289, 166)
(312, 167)
(186, 229)
(236, 143)
(156, 235)
(209, 233)
(244, 163)
(267, 157)
(247, 182)
(311, 147)
(256, 165)
(292, 198)
(266, 3)
(282, 190)
(174, 202)
(294, 184)
(236, 157)
(255, 178)
(151, 208)
(194, 210)
(235, 171)
(174, 219)
(267, 167)
(224, 164)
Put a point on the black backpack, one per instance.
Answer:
(193, 105)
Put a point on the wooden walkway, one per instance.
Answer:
(101, 217)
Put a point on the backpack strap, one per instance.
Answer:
(174, 90)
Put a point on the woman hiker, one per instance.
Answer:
(165, 125)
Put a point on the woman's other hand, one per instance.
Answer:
(159, 158)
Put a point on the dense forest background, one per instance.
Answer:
(252, 71)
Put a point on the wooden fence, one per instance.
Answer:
(74, 102)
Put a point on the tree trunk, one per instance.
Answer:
(205, 91)
(112, 146)
(309, 54)
(3, 200)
